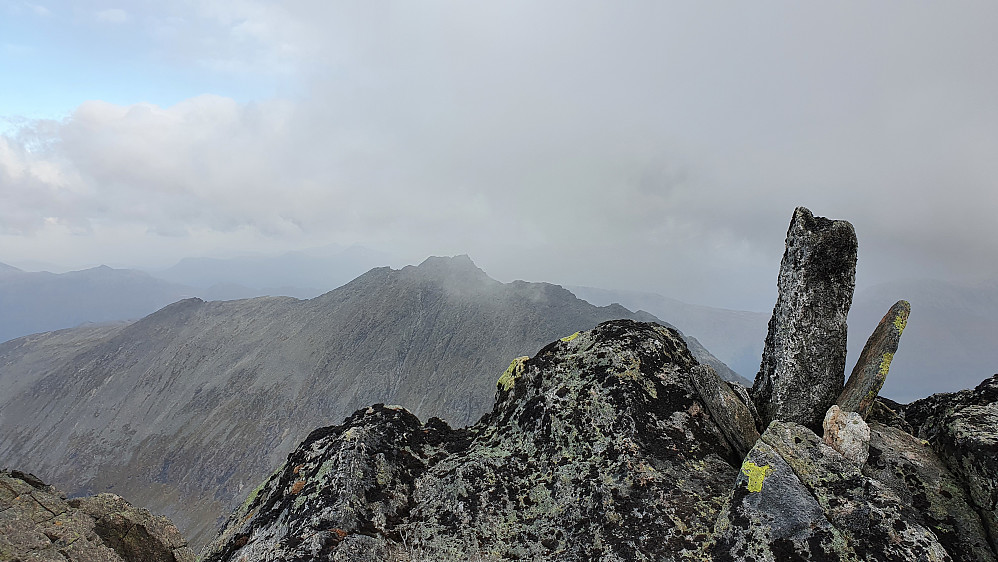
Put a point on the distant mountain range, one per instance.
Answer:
(185, 410)
(949, 344)
(33, 302)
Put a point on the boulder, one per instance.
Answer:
(867, 378)
(847, 433)
(803, 361)
(911, 469)
(962, 428)
(796, 498)
(37, 523)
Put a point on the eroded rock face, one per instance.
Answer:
(909, 467)
(962, 428)
(798, 499)
(803, 361)
(37, 523)
(598, 448)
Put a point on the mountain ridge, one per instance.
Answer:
(156, 410)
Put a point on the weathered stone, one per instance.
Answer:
(847, 433)
(911, 469)
(598, 448)
(798, 499)
(874, 362)
(962, 428)
(803, 362)
(731, 412)
(37, 523)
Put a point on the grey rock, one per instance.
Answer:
(911, 469)
(37, 523)
(598, 448)
(962, 428)
(803, 361)
(870, 372)
(730, 411)
(847, 433)
(798, 499)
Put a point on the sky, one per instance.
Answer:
(645, 145)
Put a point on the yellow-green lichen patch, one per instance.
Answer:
(756, 475)
(885, 364)
(513, 372)
(571, 337)
(901, 320)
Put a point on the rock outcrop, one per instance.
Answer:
(798, 499)
(38, 523)
(874, 362)
(962, 428)
(598, 448)
(803, 362)
(605, 446)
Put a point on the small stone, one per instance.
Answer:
(803, 362)
(847, 433)
(726, 408)
(874, 362)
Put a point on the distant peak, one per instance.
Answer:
(462, 261)
(454, 271)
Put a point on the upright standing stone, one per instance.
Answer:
(803, 362)
(871, 369)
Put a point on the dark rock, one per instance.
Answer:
(598, 448)
(798, 499)
(803, 362)
(962, 428)
(874, 362)
(732, 412)
(909, 467)
(37, 523)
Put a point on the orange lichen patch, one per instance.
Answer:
(297, 468)
(297, 486)
(340, 533)
(248, 516)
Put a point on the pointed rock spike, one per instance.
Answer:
(874, 362)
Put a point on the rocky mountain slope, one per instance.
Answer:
(185, 410)
(615, 444)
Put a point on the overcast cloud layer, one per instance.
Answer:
(639, 145)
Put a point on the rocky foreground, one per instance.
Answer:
(616, 444)
(38, 523)
(600, 447)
